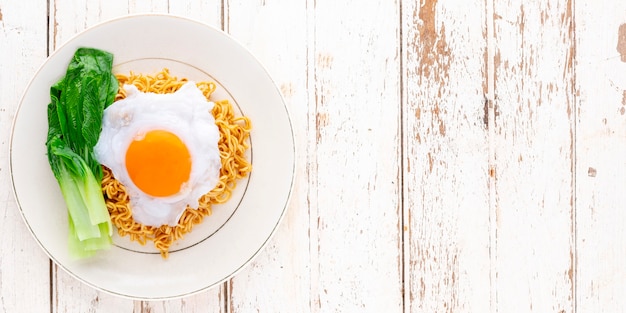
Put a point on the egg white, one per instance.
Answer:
(185, 113)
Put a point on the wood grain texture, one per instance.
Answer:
(276, 32)
(453, 156)
(356, 214)
(446, 182)
(211, 301)
(25, 269)
(534, 156)
(600, 157)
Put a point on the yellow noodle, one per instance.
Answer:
(233, 143)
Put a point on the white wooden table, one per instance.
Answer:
(456, 155)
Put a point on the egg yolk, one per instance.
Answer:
(158, 163)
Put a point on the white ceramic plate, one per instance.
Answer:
(227, 240)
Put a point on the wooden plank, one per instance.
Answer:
(600, 150)
(211, 301)
(534, 147)
(276, 32)
(355, 213)
(147, 6)
(446, 182)
(67, 19)
(209, 12)
(25, 276)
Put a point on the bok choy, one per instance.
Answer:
(74, 124)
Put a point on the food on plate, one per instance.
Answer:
(169, 153)
(163, 149)
(74, 120)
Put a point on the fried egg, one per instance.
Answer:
(163, 148)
